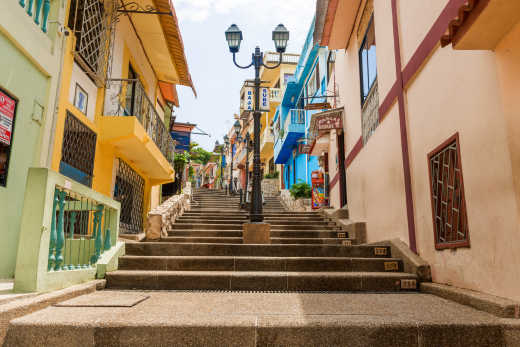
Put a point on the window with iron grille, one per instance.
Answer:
(78, 151)
(450, 221)
(89, 21)
(129, 191)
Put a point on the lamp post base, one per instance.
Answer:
(256, 233)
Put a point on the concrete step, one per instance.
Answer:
(238, 240)
(241, 220)
(200, 249)
(238, 233)
(232, 319)
(200, 226)
(245, 280)
(252, 264)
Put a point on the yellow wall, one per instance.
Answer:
(106, 154)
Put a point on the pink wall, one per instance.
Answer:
(474, 93)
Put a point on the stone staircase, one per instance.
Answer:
(204, 251)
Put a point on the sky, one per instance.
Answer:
(216, 79)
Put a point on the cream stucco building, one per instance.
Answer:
(430, 122)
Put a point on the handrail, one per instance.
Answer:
(42, 10)
(127, 97)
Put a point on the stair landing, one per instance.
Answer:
(187, 318)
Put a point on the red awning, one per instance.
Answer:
(169, 92)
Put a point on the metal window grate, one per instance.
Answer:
(78, 151)
(447, 195)
(129, 191)
(370, 113)
(90, 21)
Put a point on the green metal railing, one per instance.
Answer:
(81, 230)
(39, 10)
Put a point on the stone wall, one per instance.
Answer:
(161, 218)
(296, 205)
(271, 187)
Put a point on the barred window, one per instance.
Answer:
(450, 221)
(89, 21)
(78, 151)
(129, 191)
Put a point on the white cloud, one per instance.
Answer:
(296, 15)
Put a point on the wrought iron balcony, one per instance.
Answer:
(127, 97)
(293, 129)
(39, 10)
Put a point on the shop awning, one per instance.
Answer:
(321, 124)
(320, 145)
(169, 93)
(162, 41)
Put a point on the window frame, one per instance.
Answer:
(364, 98)
(463, 207)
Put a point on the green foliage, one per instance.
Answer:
(191, 172)
(274, 174)
(282, 133)
(180, 160)
(300, 190)
(199, 154)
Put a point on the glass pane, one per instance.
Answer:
(364, 72)
(372, 66)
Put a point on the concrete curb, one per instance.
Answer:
(340, 216)
(494, 305)
(21, 307)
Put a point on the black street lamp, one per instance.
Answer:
(234, 38)
(221, 148)
(247, 142)
(229, 147)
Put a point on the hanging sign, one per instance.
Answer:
(249, 103)
(264, 99)
(7, 106)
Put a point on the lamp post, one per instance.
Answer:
(247, 142)
(234, 38)
(221, 148)
(228, 146)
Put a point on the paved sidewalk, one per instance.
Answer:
(259, 319)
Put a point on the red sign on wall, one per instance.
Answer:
(7, 106)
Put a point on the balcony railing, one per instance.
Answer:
(127, 97)
(286, 58)
(266, 137)
(275, 95)
(67, 236)
(39, 10)
(297, 116)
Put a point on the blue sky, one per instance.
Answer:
(216, 79)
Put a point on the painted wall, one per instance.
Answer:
(473, 93)
(79, 77)
(32, 58)
(508, 64)
(29, 84)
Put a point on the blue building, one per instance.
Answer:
(292, 119)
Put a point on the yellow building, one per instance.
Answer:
(119, 77)
(276, 80)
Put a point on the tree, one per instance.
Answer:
(199, 154)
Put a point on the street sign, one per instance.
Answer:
(7, 106)
(249, 103)
(264, 99)
(249, 99)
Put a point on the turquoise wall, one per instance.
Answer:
(24, 81)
